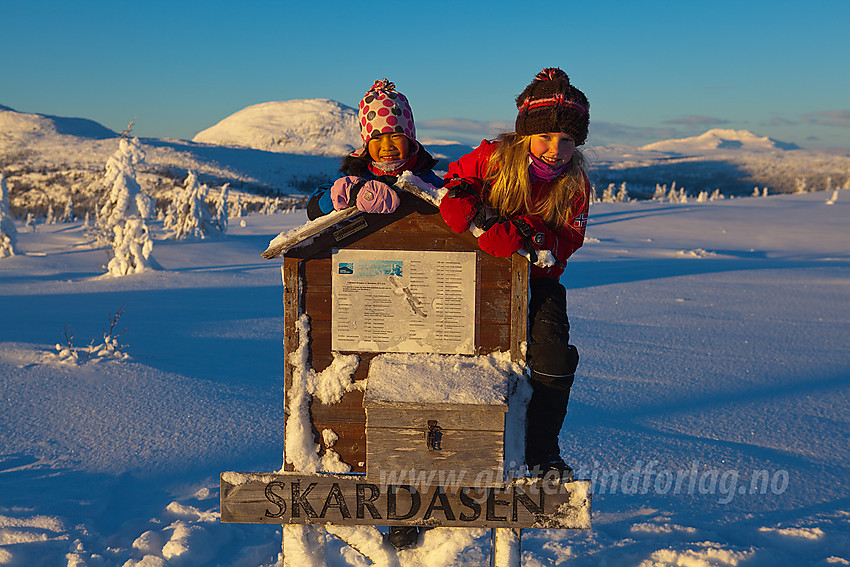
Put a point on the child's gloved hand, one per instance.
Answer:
(459, 206)
(503, 237)
(369, 196)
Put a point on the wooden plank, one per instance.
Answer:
(473, 418)
(291, 498)
(519, 306)
(291, 312)
(465, 456)
(283, 243)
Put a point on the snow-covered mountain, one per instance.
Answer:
(308, 127)
(720, 139)
(16, 124)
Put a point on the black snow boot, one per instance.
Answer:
(546, 412)
(401, 537)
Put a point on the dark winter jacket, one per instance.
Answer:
(320, 201)
(562, 242)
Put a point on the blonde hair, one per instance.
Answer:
(510, 183)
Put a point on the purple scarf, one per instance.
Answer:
(542, 170)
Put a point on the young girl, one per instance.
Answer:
(389, 148)
(534, 181)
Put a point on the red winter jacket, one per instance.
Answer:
(562, 242)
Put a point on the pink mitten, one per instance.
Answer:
(341, 189)
(377, 197)
(369, 196)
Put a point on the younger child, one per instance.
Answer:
(389, 148)
(534, 181)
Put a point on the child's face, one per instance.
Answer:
(555, 148)
(388, 147)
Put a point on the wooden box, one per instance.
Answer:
(435, 419)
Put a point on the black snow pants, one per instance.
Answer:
(552, 361)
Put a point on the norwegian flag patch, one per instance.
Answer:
(580, 221)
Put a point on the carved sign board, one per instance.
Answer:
(403, 301)
(291, 498)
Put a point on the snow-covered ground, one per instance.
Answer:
(711, 409)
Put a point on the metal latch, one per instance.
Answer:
(434, 436)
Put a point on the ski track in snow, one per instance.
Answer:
(710, 409)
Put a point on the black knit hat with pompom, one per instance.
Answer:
(551, 104)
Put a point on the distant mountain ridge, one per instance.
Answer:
(720, 139)
(303, 126)
(289, 147)
(14, 122)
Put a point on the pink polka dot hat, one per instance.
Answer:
(384, 110)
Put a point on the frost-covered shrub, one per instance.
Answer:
(110, 348)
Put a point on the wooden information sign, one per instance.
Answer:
(291, 498)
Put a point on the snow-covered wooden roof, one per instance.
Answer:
(303, 234)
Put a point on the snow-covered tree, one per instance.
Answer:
(51, 215)
(132, 246)
(237, 209)
(68, 213)
(594, 196)
(189, 215)
(122, 214)
(221, 213)
(124, 197)
(622, 194)
(8, 232)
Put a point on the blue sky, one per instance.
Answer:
(652, 70)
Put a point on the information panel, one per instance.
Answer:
(403, 301)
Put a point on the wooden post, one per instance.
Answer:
(506, 549)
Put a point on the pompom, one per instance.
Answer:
(551, 74)
(381, 85)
